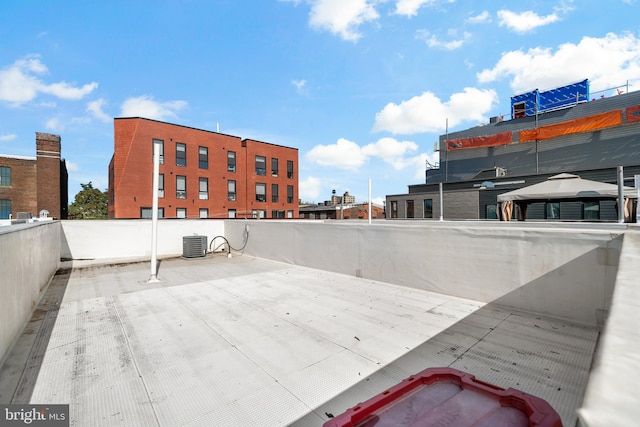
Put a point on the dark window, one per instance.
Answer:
(274, 193)
(231, 190)
(289, 193)
(161, 146)
(203, 157)
(428, 208)
(181, 187)
(552, 210)
(261, 165)
(146, 213)
(409, 206)
(274, 167)
(277, 214)
(231, 161)
(491, 211)
(261, 192)
(5, 209)
(181, 154)
(5, 176)
(204, 189)
(394, 209)
(289, 168)
(591, 210)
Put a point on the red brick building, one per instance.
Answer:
(29, 185)
(203, 174)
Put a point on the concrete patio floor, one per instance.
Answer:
(245, 341)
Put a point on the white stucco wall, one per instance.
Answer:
(130, 239)
(566, 271)
(30, 255)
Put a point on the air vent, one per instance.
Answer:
(194, 246)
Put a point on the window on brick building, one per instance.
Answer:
(277, 214)
(5, 176)
(261, 192)
(181, 154)
(5, 209)
(290, 169)
(181, 212)
(146, 213)
(181, 187)
(261, 165)
(204, 213)
(289, 214)
(161, 185)
(231, 161)
(232, 213)
(161, 149)
(231, 190)
(203, 157)
(289, 193)
(204, 188)
(274, 193)
(274, 167)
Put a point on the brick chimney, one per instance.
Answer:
(48, 170)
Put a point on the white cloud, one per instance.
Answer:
(71, 166)
(95, 108)
(524, 22)
(300, 86)
(19, 83)
(344, 154)
(341, 17)
(432, 40)
(607, 62)
(147, 107)
(481, 18)
(309, 188)
(410, 7)
(54, 124)
(7, 137)
(349, 155)
(391, 151)
(427, 113)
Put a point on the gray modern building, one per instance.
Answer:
(589, 137)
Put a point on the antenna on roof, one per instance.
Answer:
(218, 127)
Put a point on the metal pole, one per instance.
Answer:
(441, 204)
(446, 150)
(154, 214)
(369, 200)
(620, 194)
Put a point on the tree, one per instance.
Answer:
(90, 203)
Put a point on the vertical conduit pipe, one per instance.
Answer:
(154, 213)
(620, 195)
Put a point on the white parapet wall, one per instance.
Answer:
(30, 258)
(562, 270)
(130, 240)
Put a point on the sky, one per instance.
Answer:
(362, 88)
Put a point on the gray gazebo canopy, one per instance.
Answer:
(562, 187)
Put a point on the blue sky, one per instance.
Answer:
(363, 88)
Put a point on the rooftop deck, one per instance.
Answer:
(250, 341)
(244, 341)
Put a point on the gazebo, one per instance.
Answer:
(564, 187)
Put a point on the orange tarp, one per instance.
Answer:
(633, 114)
(480, 141)
(583, 124)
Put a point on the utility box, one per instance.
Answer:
(445, 396)
(194, 246)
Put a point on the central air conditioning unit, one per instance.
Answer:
(194, 246)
